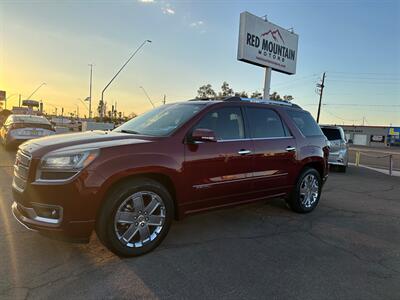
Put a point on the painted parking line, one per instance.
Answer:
(383, 171)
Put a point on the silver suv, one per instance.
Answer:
(339, 148)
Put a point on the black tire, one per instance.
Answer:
(342, 169)
(106, 228)
(296, 200)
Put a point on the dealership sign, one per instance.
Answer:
(265, 44)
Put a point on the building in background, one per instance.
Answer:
(373, 136)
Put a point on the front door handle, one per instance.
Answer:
(290, 149)
(244, 152)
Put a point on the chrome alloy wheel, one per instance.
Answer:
(309, 190)
(139, 219)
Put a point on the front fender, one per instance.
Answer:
(114, 169)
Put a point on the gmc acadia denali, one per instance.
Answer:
(129, 184)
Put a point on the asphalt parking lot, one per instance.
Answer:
(348, 248)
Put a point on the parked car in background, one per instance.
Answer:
(20, 128)
(177, 159)
(339, 148)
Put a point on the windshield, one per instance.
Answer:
(162, 120)
(332, 133)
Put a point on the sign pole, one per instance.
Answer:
(267, 82)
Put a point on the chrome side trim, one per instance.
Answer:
(40, 181)
(248, 139)
(256, 139)
(33, 218)
(13, 208)
(206, 185)
(274, 138)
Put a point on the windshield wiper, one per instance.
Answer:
(129, 131)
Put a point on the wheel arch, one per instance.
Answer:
(317, 165)
(161, 178)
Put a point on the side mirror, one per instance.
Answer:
(203, 135)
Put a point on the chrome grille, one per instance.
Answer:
(21, 170)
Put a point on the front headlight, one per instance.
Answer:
(62, 165)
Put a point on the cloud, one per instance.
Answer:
(196, 24)
(165, 6)
(168, 11)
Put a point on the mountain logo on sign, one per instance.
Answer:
(274, 33)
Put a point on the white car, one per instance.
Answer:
(339, 147)
(20, 128)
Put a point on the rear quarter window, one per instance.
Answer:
(305, 123)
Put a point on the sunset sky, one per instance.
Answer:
(357, 43)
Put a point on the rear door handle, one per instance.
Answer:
(244, 152)
(290, 149)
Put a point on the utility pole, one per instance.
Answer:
(164, 101)
(90, 91)
(19, 101)
(321, 87)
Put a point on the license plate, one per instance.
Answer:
(32, 132)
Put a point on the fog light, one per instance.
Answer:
(49, 212)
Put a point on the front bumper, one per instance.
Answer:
(29, 216)
(338, 158)
(62, 211)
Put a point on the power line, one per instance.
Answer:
(365, 73)
(295, 80)
(364, 78)
(363, 82)
(338, 117)
(358, 104)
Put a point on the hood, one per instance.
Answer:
(90, 139)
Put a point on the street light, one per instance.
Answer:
(119, 71)
(147, 96)
(84, 104)
(44, 83)
(90, 91)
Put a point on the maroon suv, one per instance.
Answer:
(129, 184)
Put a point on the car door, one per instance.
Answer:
(219, 173)
(275, 150)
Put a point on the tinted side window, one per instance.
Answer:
(227, 123)
(265, 123)
(305, 123)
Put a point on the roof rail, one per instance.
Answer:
(263, 101)
(202, 99)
